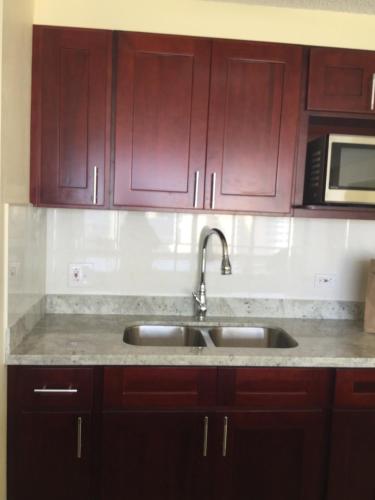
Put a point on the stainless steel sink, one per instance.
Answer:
(164, 336)
(251, 336)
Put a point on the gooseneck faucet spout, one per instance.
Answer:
(200, 296)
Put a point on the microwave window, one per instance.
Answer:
(352, 166)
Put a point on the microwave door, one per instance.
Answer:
(351, 170)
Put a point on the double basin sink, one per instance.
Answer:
(226, 336)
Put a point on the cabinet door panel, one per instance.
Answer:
(161, 120)
(341, 80)
(351, 472)
(252, 126)
(46, 460)
(154, 455)
(272, 456)
(71, 111)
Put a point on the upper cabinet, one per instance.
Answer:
(163, 93)
(341, 80)
(254, 109)
(70, 134)
(162, 85)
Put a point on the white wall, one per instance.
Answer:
(27, 259)
(157, 254)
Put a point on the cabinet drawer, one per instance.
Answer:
(355, 389)
(275, 388)
(40, 388)
(159, 387)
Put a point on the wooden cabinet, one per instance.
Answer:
(254, 110)
(273, 455)
(161, 120)
(157, 455)
(70, 132)
(351, 472)
(341, 80)
(162, 95)
(155, 433)
(168, 433)
(220, 451)
(272, 436)
(50, 433)
(197, 124)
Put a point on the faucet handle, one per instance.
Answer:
(196, 298)
(200, 299)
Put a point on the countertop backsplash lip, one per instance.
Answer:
(217, 306)
(16, 332)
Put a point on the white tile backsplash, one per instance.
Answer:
(27, 259)
(147, 253)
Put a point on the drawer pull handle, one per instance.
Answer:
(205, 436)
(95, 187)
(213, 190)
(45, 390)
(373, 93)
(225, 436)
(196, 189)
(79, 437)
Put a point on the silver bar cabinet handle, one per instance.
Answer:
(373, 93)
(205, 436)
(79, 437)
(196, 189)
(213, 190)
(225, 436)
(95, 188)
(44, 390)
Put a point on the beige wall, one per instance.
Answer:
(17, 36)
(217, 18)
(15, 39)
(2, 310)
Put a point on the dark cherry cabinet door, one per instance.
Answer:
(48, 461)
(341, 80)
(155, 455)
(71, 99)
(161, 120)
(271, 456)
(254, 109)
(351, 472)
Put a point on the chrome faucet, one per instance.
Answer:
(200, 297)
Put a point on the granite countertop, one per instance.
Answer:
(85, 339)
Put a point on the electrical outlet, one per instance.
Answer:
(14, 268)
(79, 274)
(325, 280)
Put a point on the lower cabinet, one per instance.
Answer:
(353, 456)
(229, 456)
(50, 433)
(52, 457)
(271, 456)
(143, 433)
(159, 456)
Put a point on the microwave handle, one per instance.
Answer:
(373, 93)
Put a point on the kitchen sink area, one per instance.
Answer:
(164, 336)
(212, 337)
(252, 337)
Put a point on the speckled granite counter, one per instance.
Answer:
(82, 339)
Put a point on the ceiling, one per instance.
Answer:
(359, 6)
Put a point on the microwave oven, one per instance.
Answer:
(340, 169)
